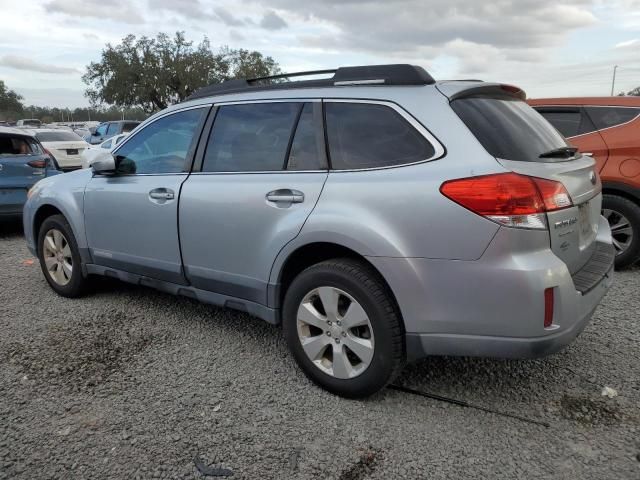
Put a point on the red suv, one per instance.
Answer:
(609, 129)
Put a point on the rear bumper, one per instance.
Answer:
(421, 345)
(494, 307)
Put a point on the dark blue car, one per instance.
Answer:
(23, 161)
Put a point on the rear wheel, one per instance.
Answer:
(342, 327)
(60, 258)
(623, 216)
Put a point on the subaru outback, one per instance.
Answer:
(377, 215)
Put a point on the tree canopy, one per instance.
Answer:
(153, 73)
(10, 101)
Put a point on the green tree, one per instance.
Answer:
(10, 103)
(152, 73)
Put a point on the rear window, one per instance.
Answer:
(605, 117)
(61, 136)
(364, 135)
(508, 128)
(11, 146)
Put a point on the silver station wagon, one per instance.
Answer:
(378, 215)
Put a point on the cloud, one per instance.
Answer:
(272, 21)
(629, 43)
(116, 10)
(504, 29)
(186, 8)
(21, 63)
(227, 18)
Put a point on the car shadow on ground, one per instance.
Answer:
(11, 227)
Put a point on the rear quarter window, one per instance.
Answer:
(606, 117)
(570, 121)
(362, 135)
(508, 128)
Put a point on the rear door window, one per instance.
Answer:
(251, 138)
(363, 135)
(508, 128)
(606, 117)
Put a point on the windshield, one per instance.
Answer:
(510, 129)
(61, 136)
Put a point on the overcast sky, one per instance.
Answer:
(547, 47)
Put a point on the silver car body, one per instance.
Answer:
(464, 285)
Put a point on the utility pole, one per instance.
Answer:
(613, 82)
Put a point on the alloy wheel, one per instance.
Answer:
(335, 332)
(621, 230)
(57, 256)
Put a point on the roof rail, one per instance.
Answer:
(396, 74)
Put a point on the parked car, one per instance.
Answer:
(377, 215)
(29, 122)
(607, 128)
(107, 130)
(64, 145)
(23, 162)
(94, 150)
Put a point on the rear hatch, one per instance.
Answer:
(64, 145)
(525, 143)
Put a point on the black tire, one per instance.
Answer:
(631, 211)
(364, 284)
(77, 283)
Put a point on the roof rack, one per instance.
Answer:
(396, 74)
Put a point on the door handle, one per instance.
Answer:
(161, 194)
(285, 196)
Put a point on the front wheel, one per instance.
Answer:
(343, 329)
(623, 216)
(60, 258)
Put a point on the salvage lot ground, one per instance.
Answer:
(128, 382)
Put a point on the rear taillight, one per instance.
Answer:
(37, 163)
(548, 307)
(509, 199)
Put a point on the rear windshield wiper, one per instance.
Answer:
(559, 152)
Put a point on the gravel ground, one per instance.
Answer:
(131, 383)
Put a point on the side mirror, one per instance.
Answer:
(103, 163)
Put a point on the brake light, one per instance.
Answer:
(509, 199)
(37, 163)
(548, 307)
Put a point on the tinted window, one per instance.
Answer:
(162, 146)
(605, 117)
(508, 128)
(567, 122)
(128, 126)
(18, 146)
(113, 129)
(60, 136)
(249, 138)
(366, 136)
(101, 130)
(307, 148)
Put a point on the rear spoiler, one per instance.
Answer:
(456, 90)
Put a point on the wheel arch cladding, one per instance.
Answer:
(44, 211)
(310, 254)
